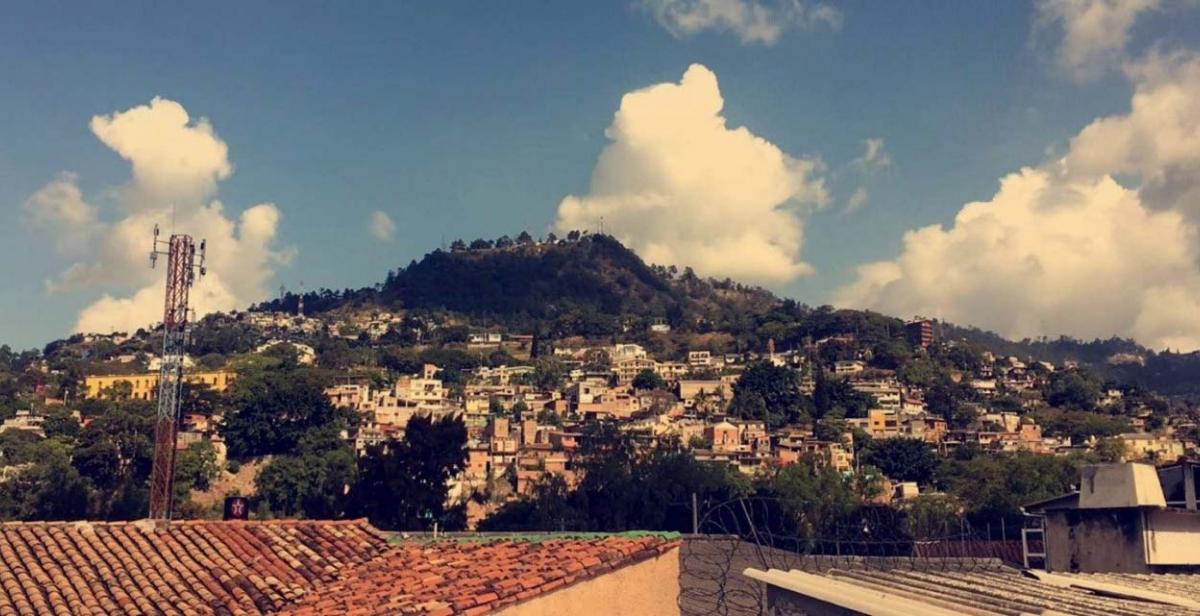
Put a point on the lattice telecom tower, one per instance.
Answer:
(182, 266)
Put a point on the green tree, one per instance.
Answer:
(835, 350)
(20, 447)
(519, 410)
(1110, 450)
(270, 411)
(890, 354)
(1072, 389)
(624, 486)
(61, 424)
(934, 516)
(332, 353)
(548, 417)
(548, 373)
(832, 395)
(963, 356)
(52, 489)
(813, 498)
(195, 468)
(902, 459)
(769, 393)
(647, 380)
(993, 487)
(311, 483)
(1080, 425)
(947, 399)
(830, 428)
(400, 360)
(199, 398)
(403, 485)
(116, 450)
(919, 372)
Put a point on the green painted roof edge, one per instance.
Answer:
(534, 537)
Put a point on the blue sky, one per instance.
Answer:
(468, 119)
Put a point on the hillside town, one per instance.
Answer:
(633, 308)
(524, 405)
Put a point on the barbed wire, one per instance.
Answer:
(770, 533)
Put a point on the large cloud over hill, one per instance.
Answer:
(680, 187)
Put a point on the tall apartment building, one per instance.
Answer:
(919, 332)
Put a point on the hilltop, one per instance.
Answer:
(593, 286)
(588, 285)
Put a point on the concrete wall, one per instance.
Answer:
(711, 576)
(1095, 541)
(647, 588)
(1172, 537)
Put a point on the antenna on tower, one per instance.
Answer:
(154, 249)
(184, 263)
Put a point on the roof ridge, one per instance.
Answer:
(427, 573)
(186, 522)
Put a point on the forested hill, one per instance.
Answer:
(595, 274)
(1120, 359)
(583, 285)
(592, 285)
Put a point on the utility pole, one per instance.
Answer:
(182, 268)
(695, 515)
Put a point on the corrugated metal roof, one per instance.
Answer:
(1001, 590)
(1182, 585)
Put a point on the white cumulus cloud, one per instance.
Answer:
(1065, 247)
(176, 165)
(1094, 32)
(753, 21)
(174, 159)
(680, 187)
(59, 207)
(1158, 141)
(382, 227)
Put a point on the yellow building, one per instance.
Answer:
(145, 386)
(1156, 447)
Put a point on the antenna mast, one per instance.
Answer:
(183, 264)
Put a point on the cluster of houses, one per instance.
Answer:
(520, 431)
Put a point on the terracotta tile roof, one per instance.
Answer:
(473, 577)
(191, 568)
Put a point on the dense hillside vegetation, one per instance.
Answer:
(593, 286)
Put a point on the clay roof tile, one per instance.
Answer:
(189, 567)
